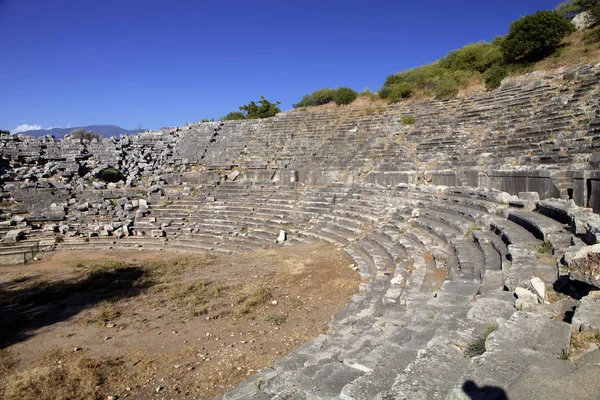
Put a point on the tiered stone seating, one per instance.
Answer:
(439, 255)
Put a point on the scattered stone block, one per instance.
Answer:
(282, 236)
(584, 264)
(157, 233)
(539, 288)
(14, 235)
(526, 300)
(587, 315)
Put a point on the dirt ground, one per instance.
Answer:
(143, 325)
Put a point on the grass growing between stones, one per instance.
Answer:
(477, 346)
(545, 248)
(581, 342)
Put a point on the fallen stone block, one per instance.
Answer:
(526, 300)
(14, 235)
(539, 288)
(282, 236)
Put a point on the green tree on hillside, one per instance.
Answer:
(535, 36)
(254, 110)
(233, 116)
(344, 95)
(569, 9)
(261, 109)
(473, 57)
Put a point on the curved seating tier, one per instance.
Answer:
(435, 262)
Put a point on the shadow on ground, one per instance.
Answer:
(484, 392)
(27, 304)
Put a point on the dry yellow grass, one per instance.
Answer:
(61, 378)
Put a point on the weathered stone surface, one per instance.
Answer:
(157, 233)
(282, 236)
(539, 288)
(587, 315)
(14, 235)
(526, 300)
(584, 264)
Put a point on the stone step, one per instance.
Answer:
(524, 358)
(543, 228)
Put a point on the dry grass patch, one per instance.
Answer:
(193, 325)
(581, 341)
(62, 377)
(105, 312)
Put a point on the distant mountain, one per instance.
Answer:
(59, 133)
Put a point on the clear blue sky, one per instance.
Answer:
(164, 63)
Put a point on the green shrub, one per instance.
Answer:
(399, 91)
(569, 9)
(545, 248)
(473, 57)
(595, 12)
(276, 319)
(446, 89)
(254, 110)
(261, 109)
(367, 93)
(422, 78)
(477, 346)
(408, 119)
(344, 95)
(494, 76)
(535, 36)
(316, 98)
(233, 116)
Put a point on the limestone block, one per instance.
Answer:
(50, 228)
(119, 233)
(587, 315)
(584, 264)
(17, 219)
(14, 235)
(157, 233)
(539, 288)
(282, 236)
(526, 300)
(232, 176)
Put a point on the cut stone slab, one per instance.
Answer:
(282, 236)
(539, 288)
(533, 332)
(587, 315)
